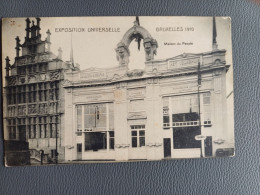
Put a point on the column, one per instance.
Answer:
(120, 121)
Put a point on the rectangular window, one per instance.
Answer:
(138, 135)
(79, 147)
(111, 116)
(95, 117)
(79, 118)
(95, 141)
(12, 128)
(53, 126)
(184, 137)
(111, 139)
(206, 109)
(32, 127)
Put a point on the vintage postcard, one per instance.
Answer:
(113, 89)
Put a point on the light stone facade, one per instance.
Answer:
(153, 109)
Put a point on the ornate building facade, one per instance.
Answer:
(174, 108)
(34, 103)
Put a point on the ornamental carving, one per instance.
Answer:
(150, 48)
(22, 80)
(136, 115)
(53, 107)
(136, 33)
(54, 75)
(43, 77)
(135, 73)
(122, 145)
(43, 108)
(43, 58)
(21, 110)
(11, 111)
(153, 81)
(122, 54)
(32, 109)
(154, 144)
(12, 81)
(31, 79)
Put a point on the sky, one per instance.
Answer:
(97, 49)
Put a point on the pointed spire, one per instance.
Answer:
(71, 51)
(7, 65)
(48, 40)
(17, 48)
(38, 26)
(27, 27)
(60, 53)
(214, 41)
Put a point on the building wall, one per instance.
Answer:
(35, 96)
(139, 101)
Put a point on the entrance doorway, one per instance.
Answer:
(208, 146)
(167, 147)
(79, 151)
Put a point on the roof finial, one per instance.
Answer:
(71, 51)
(214, 41)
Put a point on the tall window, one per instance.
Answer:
(11, 95)
(32, 93)
(97, 123)
(43, 91)
(138, 135)
(43, 127)
(54, 120)
(43, 67)
(166, 118)
(12, 128)
(206, 109)
(79, 118)
(185, 115)
(111, 139)
(95, 116)
(54, 90)
(32, 127)
(21, 94)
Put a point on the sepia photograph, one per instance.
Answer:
(116, 89)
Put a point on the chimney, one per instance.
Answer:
(17, 48)
(27, 27)
(7, 65)
(38, 26)
(60, 53)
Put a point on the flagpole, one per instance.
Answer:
(199, 85)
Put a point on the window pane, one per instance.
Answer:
(142, 141)
(134, 133)
(111, 143)
(111, 116)
(141, 133)
(111, 133)
(165, 119)
(134, 142)
(79, 117)
(95, 141)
